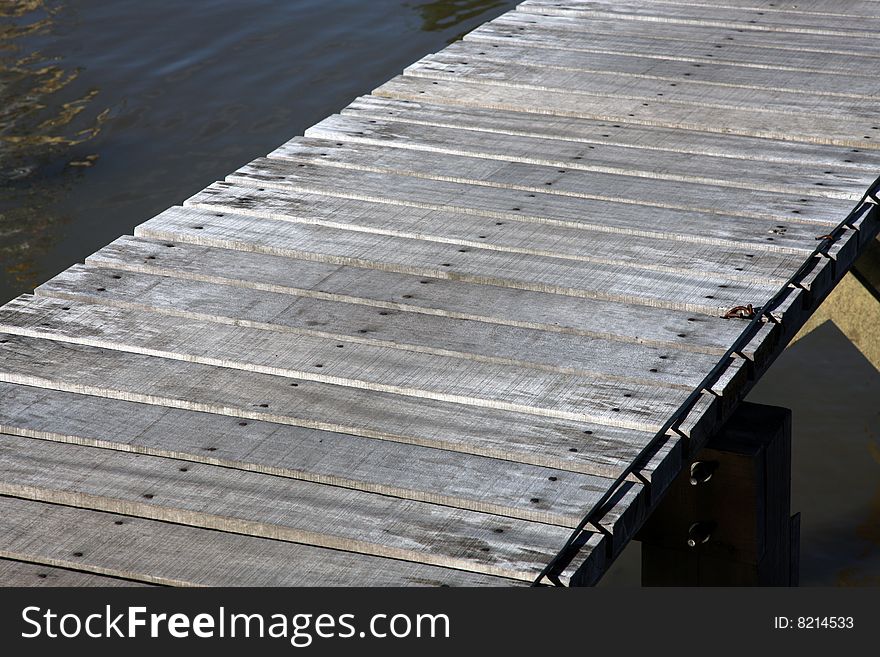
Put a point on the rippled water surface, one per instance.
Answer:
(113, 110)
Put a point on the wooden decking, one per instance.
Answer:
(418, 345)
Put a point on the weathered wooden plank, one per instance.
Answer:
(164, 553)
(720, 202)
(652, 164)
(20, 573)
(407, 471)
(615, 216)
(248, 271)
(712, 15)
(853, 9)
(854, 45)
(804, 156)
(634, 73)
(430, 334)
(305, 358)
(549, 442)
(857, 133)
(283, 509)
(852, 112)
(745, 255)
(711, 295)
(625, 38)
(847, 8)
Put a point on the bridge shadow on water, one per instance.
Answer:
(834, 394)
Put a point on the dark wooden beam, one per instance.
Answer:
(726, 520)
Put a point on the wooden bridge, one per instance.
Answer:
(486, 313)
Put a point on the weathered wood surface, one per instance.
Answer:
(249, 270)
(456, 479)
(193, 386)
(848, 23)
(611, 75)
(619, 188)
(273, 507)
(674, 44)
(303, 358)
(441, 336)
(845, 181)
(538, 99)
(540, 207)
(759, 256)
(20, 573)
(810, 159)
(130, 547)
(708, 294)
(417, 345)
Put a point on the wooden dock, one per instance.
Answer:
(482, 314)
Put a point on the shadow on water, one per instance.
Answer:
(833, 392)
(447, 14)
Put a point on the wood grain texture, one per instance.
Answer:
(845, 181)
(548, 442)
(119, 545)
(363, 367)
(807, 158)
(541, 206)
(431, 334)
(719, 202)
(710, 295)
(846, 24)
(701, 32)
(20, 573)
(849, 8)
(283, 509)
(248, 270)
(471, 92)
(417, 345)
(660, 80)
(456, 479)
(761, 255)
(681, 44)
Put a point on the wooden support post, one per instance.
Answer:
(726, 520)
(866, 269)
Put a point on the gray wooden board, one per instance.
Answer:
(612, 216)
(633, 73)
(658, 95)
(163, 553)
(377, 289)
(334, 320)
(623, 189)
(363, 367)
(851, 8)
(397, 469)
(842, 25)
(549, 442)
(624, 38)
(707, 294)
(858, 133)
(854, 45)
(20, 573)
(762, 256)
(704, 32)
(843, 181)
(576, 131)
(279, 508)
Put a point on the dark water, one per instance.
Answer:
(113, 110)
